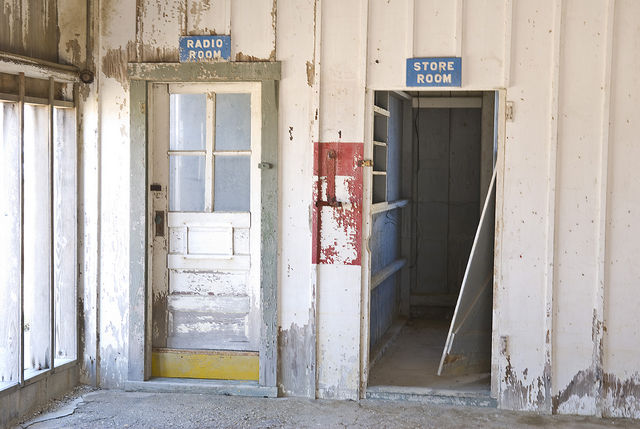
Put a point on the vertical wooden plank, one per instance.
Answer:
(498, 244)
(269, 233)
(521, 315)
(486, 142)
(253, 30)
(314, 106)
(598, 327)
(367, 227)
(210, 147)
(550, 217)
(10, 278)
(52, 325)
(29, 27)
(621, 337)
(407, 245)
(459, 25)
(72, 27)
(390, 28)
(210, 17)
(575, 267)
(159, 131)
(506, 53)
(410, 28)
(435, 29)
(431, 200)
(9, 22)
(21, 83)
(159, 26)
(464, 205)
(482, 41)
(138, 244)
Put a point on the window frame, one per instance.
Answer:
(61, 93)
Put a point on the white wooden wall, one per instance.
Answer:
(566, 303)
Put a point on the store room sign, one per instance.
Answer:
(204, 48)
(434, 71)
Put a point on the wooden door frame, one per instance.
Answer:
(141, 76)
(500, 133)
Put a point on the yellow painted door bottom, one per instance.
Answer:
(208, 364)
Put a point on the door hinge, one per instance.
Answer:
(265, 166)
(509, 111)
(365, 163)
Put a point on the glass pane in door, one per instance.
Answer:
(186, 183)
(231, 183)
(233, 122)
(188, 121)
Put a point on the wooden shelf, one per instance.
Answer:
(385, 206)
(380, 111)
(387, 272)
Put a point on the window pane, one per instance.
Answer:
(9, 244)
(231, 183)
(188, 121)
(36, 240)
(186, 177)
(64, 227)
(233, 121)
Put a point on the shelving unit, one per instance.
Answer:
(380, 141)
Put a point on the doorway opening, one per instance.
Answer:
(431, 244)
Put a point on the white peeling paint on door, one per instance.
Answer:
(205, 257)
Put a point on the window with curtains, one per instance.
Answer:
(38, 224)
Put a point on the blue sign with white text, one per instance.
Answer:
(204, 48)
(434, 71)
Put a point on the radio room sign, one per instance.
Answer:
(204, 48)
(434, 71)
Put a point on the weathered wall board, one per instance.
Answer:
(566, 201)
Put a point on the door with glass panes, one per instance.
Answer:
(205, 231)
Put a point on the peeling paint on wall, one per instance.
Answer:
(297, 363)
(240, 57)
(114, 63)
(522, 394)
(337, 231)
(621, 397)
(311, 73)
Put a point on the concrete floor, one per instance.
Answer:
(413, 358)
(117, 409)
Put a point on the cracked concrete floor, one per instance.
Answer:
(118, 409)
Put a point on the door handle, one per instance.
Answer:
(158, 219)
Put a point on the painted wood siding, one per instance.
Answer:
(30, 28)
(567, 196)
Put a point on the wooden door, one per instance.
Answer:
(205, 234)
(468, 346)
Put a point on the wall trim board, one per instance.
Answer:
(211, 72)
(33, 67)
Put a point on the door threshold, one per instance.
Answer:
(475, 398)
(192, 385)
